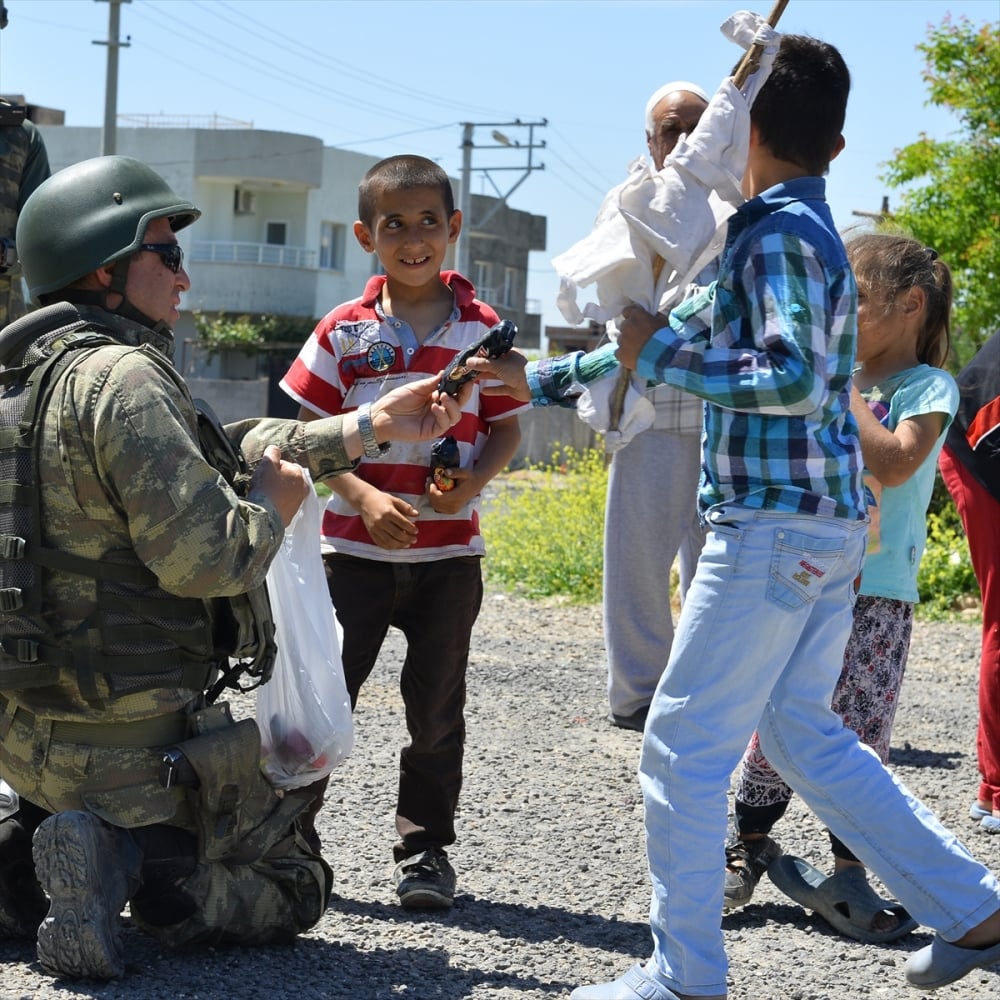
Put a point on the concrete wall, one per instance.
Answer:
(336, 201)
(545, 427)
(231, 399)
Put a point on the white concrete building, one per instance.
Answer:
(275, 236)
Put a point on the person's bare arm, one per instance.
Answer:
(390, 520)
(893, 456)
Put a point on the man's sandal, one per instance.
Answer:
(941, 963)
(845, 900)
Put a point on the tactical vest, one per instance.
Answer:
(138, 637)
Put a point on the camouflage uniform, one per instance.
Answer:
(24, 164)
(123, 480)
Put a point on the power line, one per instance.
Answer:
(269, 34)
(582, 160)
(247, 60)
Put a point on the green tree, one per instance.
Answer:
(952, 196)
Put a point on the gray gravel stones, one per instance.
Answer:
(552, 882)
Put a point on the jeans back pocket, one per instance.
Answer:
(800, 564)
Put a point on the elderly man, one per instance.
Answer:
(651, 513)
(137, 533)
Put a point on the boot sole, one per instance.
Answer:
(81, 935)
(424, 899)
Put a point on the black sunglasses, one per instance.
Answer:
(170, 253)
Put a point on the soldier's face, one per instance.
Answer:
(151, 286)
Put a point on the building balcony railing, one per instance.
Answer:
(499, 299)
(182, 121)
(270, 254)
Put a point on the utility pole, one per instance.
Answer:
(877, 216)
(501, 141)
(109, 134)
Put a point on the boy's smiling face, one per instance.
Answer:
(410, 233)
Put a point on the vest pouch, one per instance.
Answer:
(233, 798)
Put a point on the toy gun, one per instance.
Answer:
(496, 343)
(444, 455)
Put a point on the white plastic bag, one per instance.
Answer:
(304, 711)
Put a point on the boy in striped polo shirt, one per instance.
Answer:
(399, 551)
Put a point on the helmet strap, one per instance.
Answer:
(163, 337)
(119, 278)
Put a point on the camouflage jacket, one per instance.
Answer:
(123, 480)
(24, 164)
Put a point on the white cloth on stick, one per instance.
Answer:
(594, 407)
(678, 214)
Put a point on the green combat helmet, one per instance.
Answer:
(92, 214)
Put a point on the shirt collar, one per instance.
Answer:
(797, 189)
(462, 288)
(770, 201)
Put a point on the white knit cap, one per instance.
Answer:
(669, 88)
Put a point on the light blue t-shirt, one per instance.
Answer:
(898, 532)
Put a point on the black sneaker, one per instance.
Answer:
(636, 721)
(425, 881)
(746, 862)
(89, 869)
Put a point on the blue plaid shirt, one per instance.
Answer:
(770, 347)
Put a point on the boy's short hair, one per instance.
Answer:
(799, 112)
(399, 173)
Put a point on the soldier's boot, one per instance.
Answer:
(89, 870)
(307, 819)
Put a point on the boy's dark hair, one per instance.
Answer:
(800, 110)
(400, 173)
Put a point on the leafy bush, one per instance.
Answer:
(225, 332)
(248, 334)
(544, 527)
(946, 582)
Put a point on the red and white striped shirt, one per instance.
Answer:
(357, 354)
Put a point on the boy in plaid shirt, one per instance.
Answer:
(762, 632)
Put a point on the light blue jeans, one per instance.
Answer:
(760, 644)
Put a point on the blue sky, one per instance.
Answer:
(385, 77)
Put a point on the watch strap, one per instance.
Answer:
(366, 429)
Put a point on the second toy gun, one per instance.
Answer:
(497, 342)
(444, 456)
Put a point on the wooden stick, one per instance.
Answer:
(752, 55)
(745, 68)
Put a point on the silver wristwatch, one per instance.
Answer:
(367, 431)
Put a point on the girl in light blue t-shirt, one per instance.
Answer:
(903, 402)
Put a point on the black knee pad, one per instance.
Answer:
(23, 904)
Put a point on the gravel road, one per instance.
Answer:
(553, 890)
